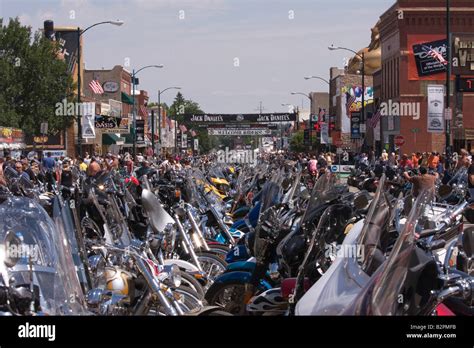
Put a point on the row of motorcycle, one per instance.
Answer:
(217, 239)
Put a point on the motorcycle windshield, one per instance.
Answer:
(375, 224)
(389, 285)
(46, 248)
(460, 177)
(323, 191)
(271, 192)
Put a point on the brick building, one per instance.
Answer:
(116, 101)
(407, 31)
(341, 85)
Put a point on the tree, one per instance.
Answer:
(32, 80)
(297, 142)
(183, 106)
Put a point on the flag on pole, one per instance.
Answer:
(350, 100)
(193, 133)
(435, 54)
(375, 119)
(183, 128)
(96, 87)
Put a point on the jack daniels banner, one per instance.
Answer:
(238, 118)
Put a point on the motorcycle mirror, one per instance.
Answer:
(468, 242)
(12, 249)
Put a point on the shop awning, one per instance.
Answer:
(112, 139)
(127, 99)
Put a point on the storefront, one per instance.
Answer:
(12, 142)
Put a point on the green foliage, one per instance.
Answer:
(297, 142)
(32, 80)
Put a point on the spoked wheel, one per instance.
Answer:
(230, 297)
(187, 280)
(219, 250)
(212, 265)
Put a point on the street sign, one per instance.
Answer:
(448, 114)
(399, 140)
(44, 128)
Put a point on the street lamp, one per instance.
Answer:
(316, 77)
(79, 33)
(159, 118)
(134, 73)
(362, 56)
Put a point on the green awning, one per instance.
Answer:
(112, 139)
(127, 99)
(128, 138)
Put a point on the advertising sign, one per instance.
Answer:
(463, 54)
(355, 125)
(435, 109)
(421, 65)
(110, 86)
(140, 131)
(238, 118)
(88, 120)
(239, 131)
(112, 124)
(115, 108)
(426, 64)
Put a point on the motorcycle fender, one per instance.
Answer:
(239, 277)
(189, 267)
(241, 266)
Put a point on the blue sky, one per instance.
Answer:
(274, 51)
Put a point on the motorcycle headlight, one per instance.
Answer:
(97, 270)
(170, 236)
(175, 276)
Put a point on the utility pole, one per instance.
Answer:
(448, 74)
(260, 109)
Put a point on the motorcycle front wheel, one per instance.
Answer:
(228, 296)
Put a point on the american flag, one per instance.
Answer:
(350, 100)
(143, 110)
(375, 119)
(435, 54)
(193, 133)
(183, 128)
(96, 87)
